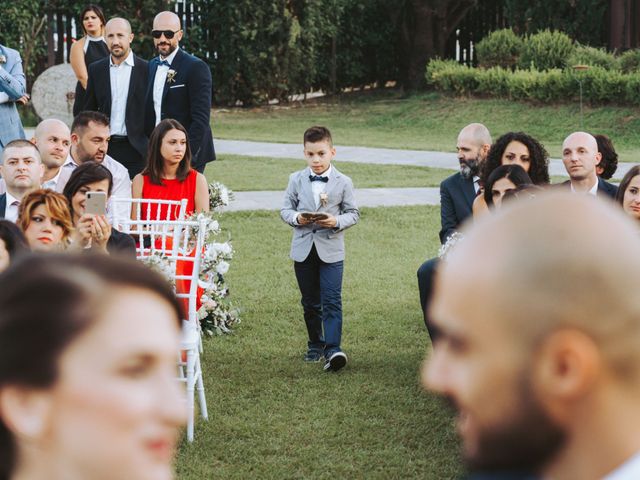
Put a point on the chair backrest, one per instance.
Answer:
(150, 223)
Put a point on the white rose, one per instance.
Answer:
(222, 268)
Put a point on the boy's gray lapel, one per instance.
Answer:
(306, 192)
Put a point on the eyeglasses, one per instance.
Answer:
(167, 33)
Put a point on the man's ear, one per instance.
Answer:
(566, 367)
(598, 158)
(485, 150)
(25, 412)
(75, 138)
(34, 140)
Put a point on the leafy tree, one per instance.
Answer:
(580, 19)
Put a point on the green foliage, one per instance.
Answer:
(546, 50)
(600, 85)
(630, 61)
(500, 48)
(595, 57)
(582, 20)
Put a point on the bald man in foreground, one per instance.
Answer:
(580, 156)
(539, 346)
(180, 87)
(117, 87)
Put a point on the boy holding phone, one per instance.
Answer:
(320, 204)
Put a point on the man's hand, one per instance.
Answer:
(328, 222)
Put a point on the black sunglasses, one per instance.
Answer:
(167, 33)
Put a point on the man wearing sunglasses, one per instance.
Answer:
(179, 88)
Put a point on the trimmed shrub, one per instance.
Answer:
(499, 49)
(546, 50)
(630, 61)
(599, 85)
(595, 57)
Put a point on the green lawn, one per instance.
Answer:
(274, 417)
(259, 173)
(428, 121)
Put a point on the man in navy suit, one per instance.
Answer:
(179, 88)
(456, 201)
(580, 156)
(117, 87)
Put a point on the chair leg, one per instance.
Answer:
(191, 366)
(202, 399)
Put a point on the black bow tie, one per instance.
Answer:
(318, 178)
(163, 62)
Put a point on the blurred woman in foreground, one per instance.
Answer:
(85, 392)
(12, 243)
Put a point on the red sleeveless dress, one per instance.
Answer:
(174, 190)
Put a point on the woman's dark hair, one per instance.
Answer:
(88, 172)
(95, 9)
(515, 173)
(538, 157)
(13, 239)
(626, 180)
(46, 302)
(155, 162)
(609, 161)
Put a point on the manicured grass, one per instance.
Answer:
(274, 417)
(428, 121)
(242, 173)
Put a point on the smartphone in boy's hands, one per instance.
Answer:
(96, 203)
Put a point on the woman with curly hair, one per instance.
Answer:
(45, 220)
(514, 148)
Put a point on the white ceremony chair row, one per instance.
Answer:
(180, 242)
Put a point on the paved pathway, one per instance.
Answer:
(385, 156)
(365, 197)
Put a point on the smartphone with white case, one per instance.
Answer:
(96, 203)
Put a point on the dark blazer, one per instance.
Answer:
(98, 98)
(456, 201)
(187, 99)
(604, 187)
(121, 244)
(3, 204)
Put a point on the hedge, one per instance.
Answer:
(599, 84)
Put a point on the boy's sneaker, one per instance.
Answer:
(313, 356)
(335, 362)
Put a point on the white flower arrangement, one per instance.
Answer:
(219, 196)
(162, 265)
(216, 314)
(171, 76)
(449, 245)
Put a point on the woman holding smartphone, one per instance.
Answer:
(92, 229)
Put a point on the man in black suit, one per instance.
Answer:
(580, 156)
(22, 171)
(117, 87)
(456, 201)
(179, 88)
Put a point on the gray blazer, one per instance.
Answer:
(14, 85)
(341, 203)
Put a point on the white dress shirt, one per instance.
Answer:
(319, 187)
(158, 84)
(11, 210)
(629, 470)
(592, 191)
(120, 76)
(53, 183)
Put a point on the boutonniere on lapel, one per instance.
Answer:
(171, 76)
(3, 59)
(323, 199)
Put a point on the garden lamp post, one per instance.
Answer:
(581, 68)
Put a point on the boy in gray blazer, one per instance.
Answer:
(320, 204)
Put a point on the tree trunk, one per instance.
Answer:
(426, 26)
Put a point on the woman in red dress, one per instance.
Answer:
(168, 176)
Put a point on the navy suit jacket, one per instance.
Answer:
(456, 202)
(187, 99)
(604, 187)
(98, 98)
(3, 204)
